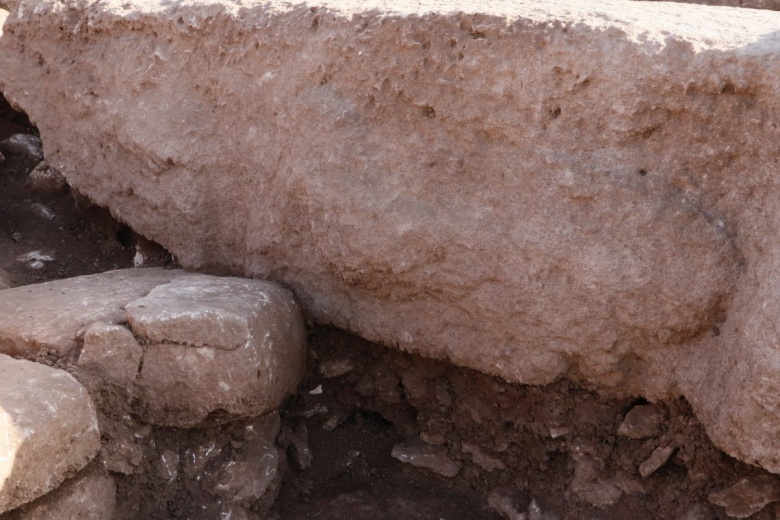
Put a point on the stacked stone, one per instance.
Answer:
(183, 348)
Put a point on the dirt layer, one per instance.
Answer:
(521, 452)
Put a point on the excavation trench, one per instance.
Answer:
(371, 432)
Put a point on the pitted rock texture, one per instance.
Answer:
(48, 430)
(535, 190)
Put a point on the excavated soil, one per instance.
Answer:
(533, 452)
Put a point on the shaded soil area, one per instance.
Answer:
(372, 432)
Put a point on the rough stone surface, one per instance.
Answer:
(111, 351)
(231, 345)
(748, 496)
(48, 430)
(643, 421)
(578, 188)
(49, 316)
(433, 458)
(90, 495)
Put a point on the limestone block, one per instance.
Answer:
(48, 430)
(90, 495)
(49, 316)
(576, 188)
(231, 345)
(112, 352)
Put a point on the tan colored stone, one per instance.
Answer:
(48, 430)
(90, 495)
(248, 372)
(49, 316)
(112, 352)
(581, 188)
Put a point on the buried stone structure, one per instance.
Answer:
(534, 190)
(120, 334)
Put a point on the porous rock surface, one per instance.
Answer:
(583, 188)
(48, 430)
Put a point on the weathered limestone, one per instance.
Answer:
(49, 316)
(185, 346)
(228, 344)
(48, 430)
(113, 352)
(90, 495)
(536, 190)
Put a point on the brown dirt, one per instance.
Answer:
(383, 397)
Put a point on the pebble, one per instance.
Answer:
(658, 458)
(35, 259)
(336, 368)
(168, 466)
(748, 496)
(26, 145)
(642, 422)
(433, 458)
(482, 459)
(45, 178)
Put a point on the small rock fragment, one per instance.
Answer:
(16, 236)
(35, 259)
(43, 411)
(195, 460)
(593, 484)
(506, 506)
(643, 421)
(90, 495)
(658, 458)
(23, 145)
(168, 466)
(433, 458)
(46, 178)
(334, 420)
(336, 368)
(482, 459)
(112, 352)
(296, 442)
(43, 211)
(748, 496)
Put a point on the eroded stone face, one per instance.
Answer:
(231, 345)
(535, 190)
(48, 430)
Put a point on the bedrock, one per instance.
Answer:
(535, 190)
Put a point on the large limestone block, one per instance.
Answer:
(90, 495)
(49, 316)
(584, 188)
(217, 344)
(48, 430)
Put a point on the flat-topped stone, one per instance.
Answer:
(49, 316)
(546, 189)
(217, 344)
(48, 430)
